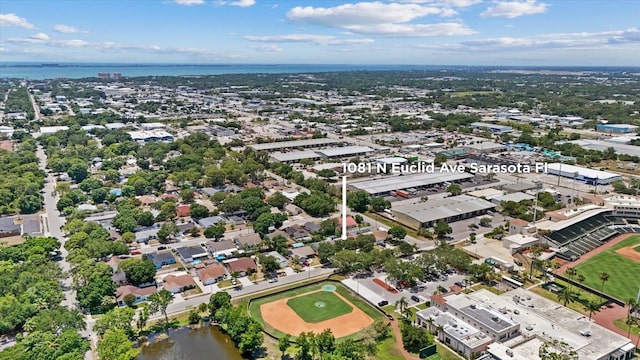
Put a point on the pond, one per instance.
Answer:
(207, 342)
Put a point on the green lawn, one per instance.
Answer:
(254, 305)
(621, 284)
(319, 306)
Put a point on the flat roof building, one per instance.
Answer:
(306, 143)
(345, 151)
(151, 136)
(589, 176)
(494, 128)
(449, 209)
(419, 181)
(616, 128)
(294, 156)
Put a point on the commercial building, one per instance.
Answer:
(306, 143)
(494, 128)
(579, 173)
(345, 151)
(294, 156)
(602, 145)
(146, 136)
(450, 209)
(516, 324)
(616, 128)
(624, 205)
(419, 181)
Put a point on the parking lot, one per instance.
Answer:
(367, 288)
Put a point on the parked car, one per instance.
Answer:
(135, 252)
(415, 298)
(162, 247)
(383, 303)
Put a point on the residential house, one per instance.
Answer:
(241, 265)
(249, 241)
(380, 236)
(303, 252)
(312, 227)
(146, 234)
(282, 261)
(191, 253)
(293, 209)
(178, 283)
(184, 226)
(211, 274)
(351, 223)
(140, 294)
(211, 221)
(224, 247)
(297, 232)
(183, 210)
(161, 259)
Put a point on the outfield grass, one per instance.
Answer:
(254, 305)
(621, 284)
(306, 306)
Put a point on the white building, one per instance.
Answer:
(579, 173)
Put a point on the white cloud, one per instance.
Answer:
(14, 20)
(446, 3)
(243, 3)
(267, 48)
(363, 13)
(189, 2)
(586, 41)
(514, 9)
(308, 38)
(40, 36)
(413, 30)
(66, 29)
(239, 3)
(387, 19)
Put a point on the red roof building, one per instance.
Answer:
(183, 210)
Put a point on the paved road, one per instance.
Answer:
(53, 225)
(180, 306)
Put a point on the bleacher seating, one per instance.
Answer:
(586, 235)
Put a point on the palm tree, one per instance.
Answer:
(401, 304)
(159, 302)
(406, 313)
(567, 296)
(592, 307)
(580, 278)
(143, 316)
(604, 277)
(632, 304)
(571, 272)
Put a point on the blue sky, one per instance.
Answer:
(422, 32)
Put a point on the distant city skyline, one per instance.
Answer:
(417, 32)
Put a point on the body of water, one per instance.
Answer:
(37, 71)
(185, 344)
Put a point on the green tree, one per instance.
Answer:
(604, 277)
(358, 201)
(379, 204)
(167, 231)
(454, 189)
(158, 302)
(397, 232)
(284, 343)
(120, 318)
(114, 345)
(592, 307)
(30, 204)
(568, 296)
(78, 172)
(442, 229)
(198, 211)
(415, 338)
(138, 271)
(215, 231)
(269, 263)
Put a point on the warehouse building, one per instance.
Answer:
(493, 128)
(294, 156)
(602, 145)
(146, 136)
(616, 128)
(579, 173)
(450, 209)
(345, 151)
(306, 143)
(419, 181)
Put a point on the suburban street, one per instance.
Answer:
(53, 224)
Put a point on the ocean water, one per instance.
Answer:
(41, 71)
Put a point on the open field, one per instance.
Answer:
(351, 316)
(621, 284)
(319, 306)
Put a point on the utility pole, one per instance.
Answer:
(344, 208)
